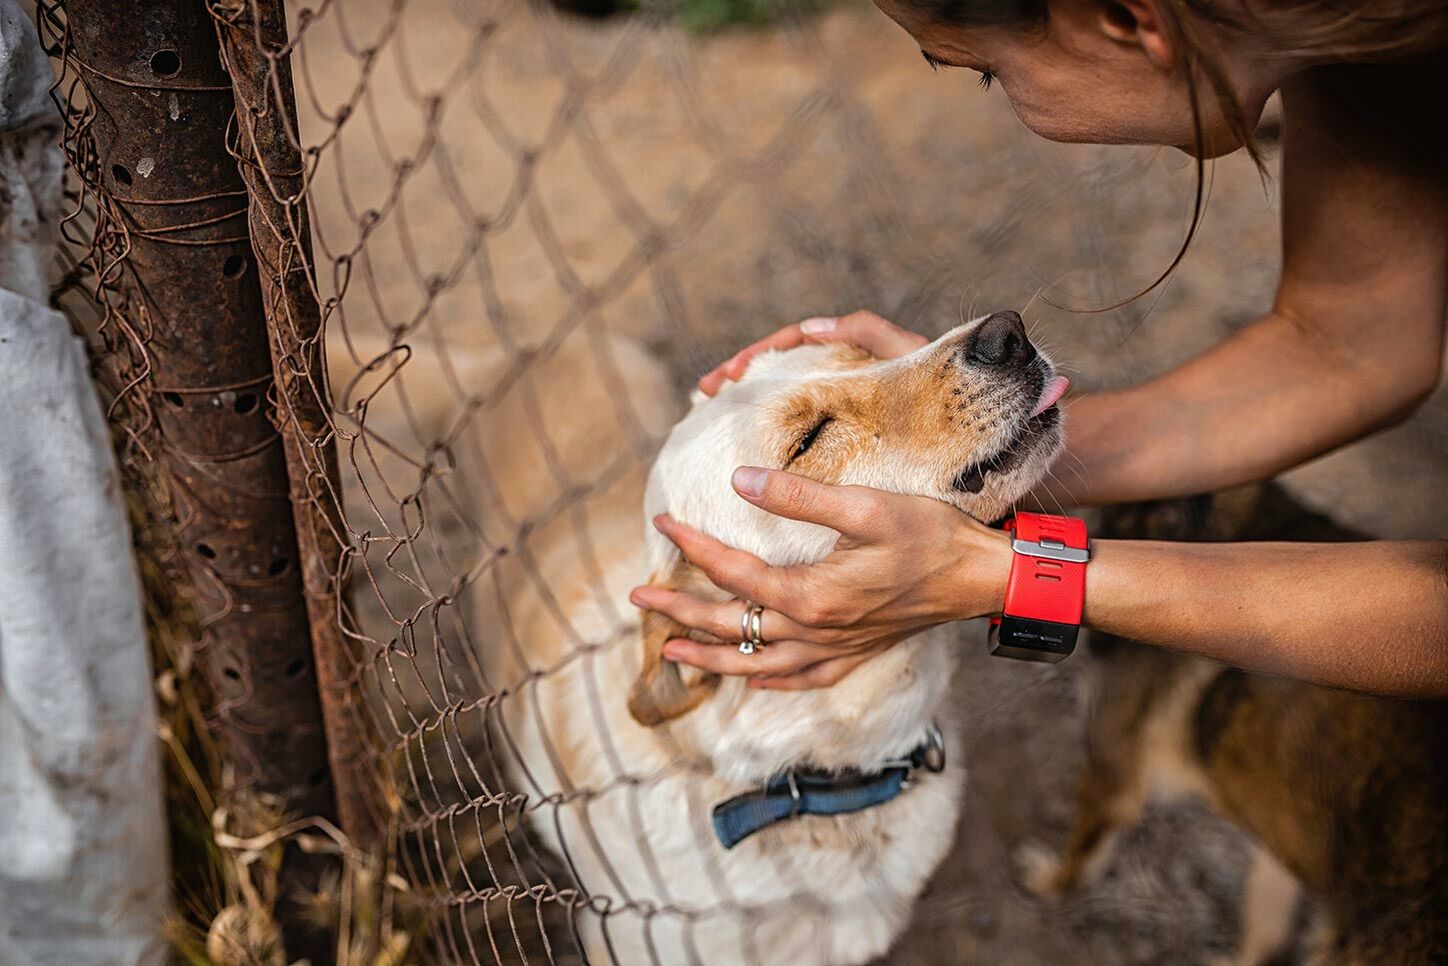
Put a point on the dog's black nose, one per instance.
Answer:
(1000, 341)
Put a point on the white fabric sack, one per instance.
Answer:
(83, 871)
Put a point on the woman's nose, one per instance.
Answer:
(1000, 340)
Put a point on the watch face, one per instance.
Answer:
(1031, 640)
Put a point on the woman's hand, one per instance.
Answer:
(881, 338)
(901, 564)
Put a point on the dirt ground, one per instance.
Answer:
(697, 193)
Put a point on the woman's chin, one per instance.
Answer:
(1072, 127)
(1080, 124)
(1213, 145)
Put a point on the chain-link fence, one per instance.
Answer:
(523, 234)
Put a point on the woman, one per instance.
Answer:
(1353, 343)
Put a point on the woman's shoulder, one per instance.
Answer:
(1389, 112)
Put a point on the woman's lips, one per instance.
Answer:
(1051, 395)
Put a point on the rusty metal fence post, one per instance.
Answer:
(203, 220)
(162, 107)
(253, 38)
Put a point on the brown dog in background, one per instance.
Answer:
(1345, 794)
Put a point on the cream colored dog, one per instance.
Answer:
(622, 754)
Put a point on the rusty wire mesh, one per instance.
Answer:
(511, 211)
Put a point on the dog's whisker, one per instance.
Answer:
(1032, 300)
(1055, 499)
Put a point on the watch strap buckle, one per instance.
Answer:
(1051, 550)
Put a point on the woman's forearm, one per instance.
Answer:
(1355, 337)
(1265, 400)
(1365, 616)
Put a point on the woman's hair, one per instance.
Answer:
(1339, 30)
(1332, 29)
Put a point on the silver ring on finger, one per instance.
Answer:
(751, 624)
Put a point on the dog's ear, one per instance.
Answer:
(664, 690)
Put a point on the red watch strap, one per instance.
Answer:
(1046, 589)
(1043, 588)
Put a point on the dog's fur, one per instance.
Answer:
(1344, 793)
(621, 753)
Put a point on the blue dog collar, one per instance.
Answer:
(805, 791)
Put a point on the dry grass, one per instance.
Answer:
(228, 846)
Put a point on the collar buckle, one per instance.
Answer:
(929, 755)
(933, 757)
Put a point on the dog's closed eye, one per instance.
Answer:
(810, 438)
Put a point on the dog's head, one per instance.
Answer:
(969, 419)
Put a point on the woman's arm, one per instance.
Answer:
(1354, 341)
(1366, 616)
(1355, 338)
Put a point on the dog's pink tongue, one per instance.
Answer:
(1051, 395)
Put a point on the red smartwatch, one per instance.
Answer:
(1046, 589)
